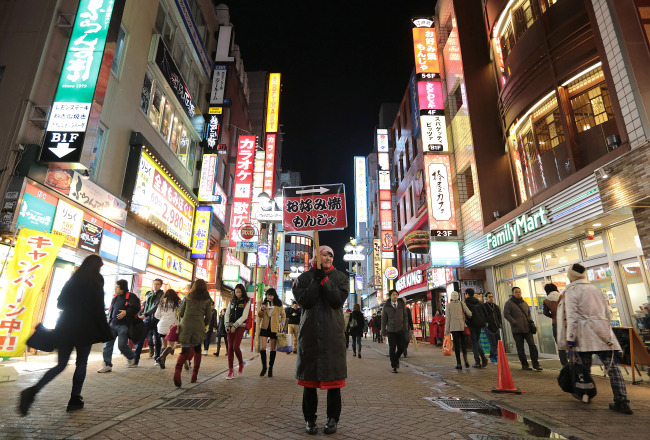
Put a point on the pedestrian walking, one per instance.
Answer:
(236, 316)
(149, 306)
(409, 332)
(194, 313)
(221, 332)
(476, 322)
(82, 323)
(293, 317)
(455, 325)
(355, 329)
(346, 319)
(365, 328)
(371, 325)
(321, 362)
(166, 315)
(122, 311)
(377, 322)
(494, 324)
(586, 328)
(553, 299)
(517, 313)
(394, 322)
(438, 328)
(214, 321)
(270, 320)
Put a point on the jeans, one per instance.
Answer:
(519, 342)
(561, 353)
(475, 339)
(151, 325)
(234, 341)
(459, 342)
(121, 332)
(356, 340)
(494, 339)
(310, 403)
(395, 341)
(79, 372)
(225, 339)
(206, 341)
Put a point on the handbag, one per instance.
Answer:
(281, 340)
(172, 334)
(447, 346)
(137, 330)
(43, 339)
(532, 327)
(574, 378)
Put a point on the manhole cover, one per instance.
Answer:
(192, 403)
(464, 404)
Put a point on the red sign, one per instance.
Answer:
(269, 164)
(430, 95)
(241, 202)
(311, 208)
(247, 232)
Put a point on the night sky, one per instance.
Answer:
(339, 60)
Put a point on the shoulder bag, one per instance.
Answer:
(531, 324)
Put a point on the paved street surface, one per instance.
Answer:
(129, 403)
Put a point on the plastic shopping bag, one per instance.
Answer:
(447, 346)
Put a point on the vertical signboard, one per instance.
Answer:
(273, 104)
(241, 204)
(426, 55)
(91, 233)
(440, 195)
(66, 127)
(218, 83)
(382, 140)
(432, 116)
(385, 203)
(269, 164)
(201, 236)
(208, 177)
(213, 124)
(413, 93)
(377, 270)
(67, 222)
(360, 191)
(37, 210)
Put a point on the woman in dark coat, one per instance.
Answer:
(356, 331)
(81, 324)
(321, 359)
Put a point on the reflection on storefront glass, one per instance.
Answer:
(544, 323)
(601, 277)
(520, 267)
(625, 237)
(591, 248)
(506, 271)
(637, 292)
(562, 255)
(535, 263)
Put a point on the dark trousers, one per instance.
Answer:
(407, 341)
(494, 339)
(206, 341)
(561, 353)
(310, 403)
(347, 339)
(374, 336)
(460, 342)
(395, 347)
(356, 340)
(151, 325)
(519, 342)
(225, 340)
(475, 339)
(615, 376)
(79, 372)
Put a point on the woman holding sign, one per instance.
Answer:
(321, 363)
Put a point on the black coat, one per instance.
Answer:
(493, 315)
(82, 320)
(321, 337)
(221, 326)
(358, 330)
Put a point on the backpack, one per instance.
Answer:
(353, 323)
(478, 318)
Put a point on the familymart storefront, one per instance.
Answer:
(537, 246)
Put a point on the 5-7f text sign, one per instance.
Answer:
(314, 208)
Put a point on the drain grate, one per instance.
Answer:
(462, 404)
(192, 403)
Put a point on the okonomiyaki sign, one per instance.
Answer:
(522, 225)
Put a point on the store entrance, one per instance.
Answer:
(633, 279)
(62, 271)
(545, 341)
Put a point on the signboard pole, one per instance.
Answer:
(317, 244)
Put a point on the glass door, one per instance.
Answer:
(544, 323)
(601, 277)
(637, 291)
(62, 273)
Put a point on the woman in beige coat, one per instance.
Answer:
(455, 324)
(270, 320)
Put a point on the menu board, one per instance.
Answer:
(110, 246)
(162, 201)
(67, 222)
(92, 230)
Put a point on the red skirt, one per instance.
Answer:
(325, 385)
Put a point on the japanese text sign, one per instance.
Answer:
(67, 222)
(201, 237)
(360, 191)
(424, 46)
(382, 140)
(241, 202)
(273, 105)
(162, 201)
(34, 255)
(269, 164)
(440, 196)
(430, 96)
(37, 209)
(434, 133)
(213, 124)
(92, 230)
(218, 83)
(310, 208)
(208, 177)
(376, 262)
(169, 262)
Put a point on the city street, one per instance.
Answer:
(130, 403)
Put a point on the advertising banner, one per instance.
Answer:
(376, 263)
(269, 164)
(426, 55)
(382, 140)
(67, 222)
(434, 134)
(169, 262)
(218, 83)
(244, 271)
(201, 238)
(208, 177)
(213, 124)
(360, 191)
(440, 195)
(37, 210)
(311, 208)
(273, 104)
(110, 246)
(34, 255)
(92, 230)
(219, 208)
(243, 184)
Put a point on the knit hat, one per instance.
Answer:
(324, 248)
(576, 272)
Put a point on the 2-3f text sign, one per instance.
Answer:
(311, 208)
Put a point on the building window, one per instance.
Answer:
(96, 153)
(465, 185)
(592, 107)
(411, 204)
(119, 52)
(643, 8)
(399, 217)
(548, 130)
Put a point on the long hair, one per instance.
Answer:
(89, 268)
(199, 291)
(244, 296)
(275, 301)
(357, 307)
(170, 300)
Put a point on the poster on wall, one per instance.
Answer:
(37, 210)
(110, 246)
(67, 222)
(92, 230)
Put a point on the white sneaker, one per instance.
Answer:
(205, 352)
(130, 363)
(105, 368)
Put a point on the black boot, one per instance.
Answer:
(466, 362)
(75, 403)
(263, 357)
(354, 351)
(330, 426)
(359, 355)
(311, 427)
(621, 406)
(271, 362)
(26, 399)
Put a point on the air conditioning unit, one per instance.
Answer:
(39, 115)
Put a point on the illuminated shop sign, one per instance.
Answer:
(213, 124)
(244, 271)
(241, 205)
(230, 273)
(445, 253)
(66, 127)
(269, 163)
(426, 55)
(430, 96)
(67, 222)
(169, 262)
(360, 190)
(110, 247)
(434, 133)
(377, 268)
(383, 160)
(440, 195)
(208, 176)
(91, 233)
(160, 199)
(201, 236)
(522, 225)
(382, 140)
(409, 280)
(219, 208)
(37, 210)
(273, 104)
(218, 83)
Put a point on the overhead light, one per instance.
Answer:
(349, 247)
(263, 197)
(530, 249)
(513, 255)
(595, 225)
(587, 70)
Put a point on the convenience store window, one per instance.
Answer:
(562, 255)
(625, 238)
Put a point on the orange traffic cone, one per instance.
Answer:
(504, 378)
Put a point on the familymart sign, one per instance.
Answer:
(520, 226)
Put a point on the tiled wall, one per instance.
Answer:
(642, 220)
(619, 71)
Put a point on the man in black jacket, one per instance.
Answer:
(124, 307)
(394, 323)
(476, 323)
(293, 316)
(221, 331)
(152, 298)
(494, 324)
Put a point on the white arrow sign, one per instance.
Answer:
(62, 149)
(320, 190)
(353, 257)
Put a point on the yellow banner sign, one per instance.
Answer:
(34, 256)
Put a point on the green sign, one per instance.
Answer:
(520, 226)
(36, 214)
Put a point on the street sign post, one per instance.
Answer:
(247, 232)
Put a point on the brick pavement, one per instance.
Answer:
(126, 403)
